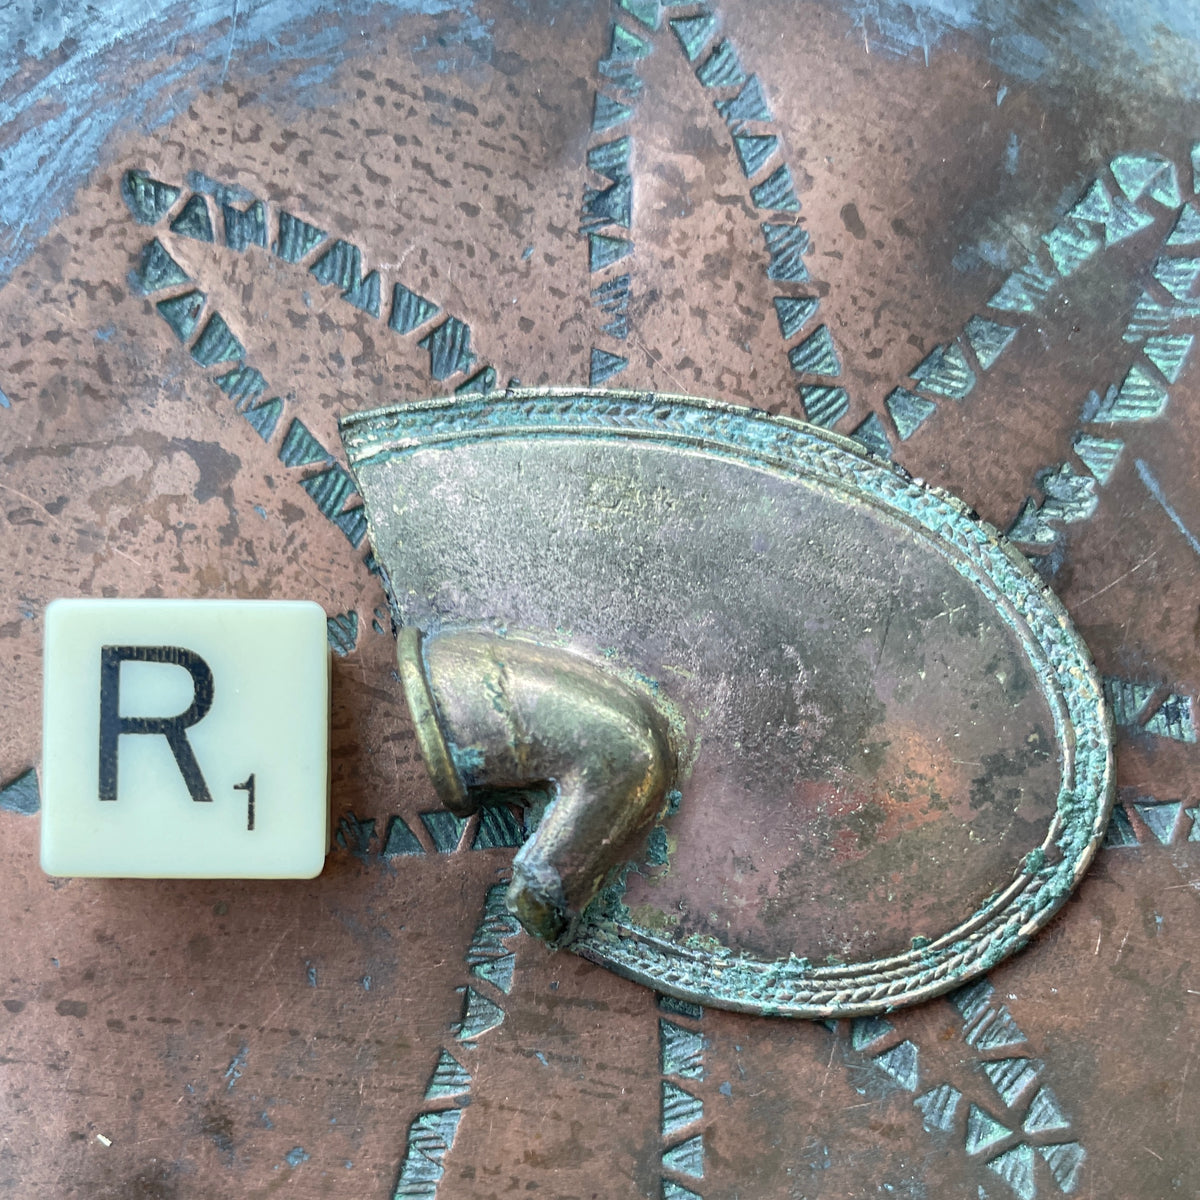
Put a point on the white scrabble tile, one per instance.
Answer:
(185, 739)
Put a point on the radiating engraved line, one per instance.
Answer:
(815, 358)
(681, 1064)
(431, 1134)
(611, 207)
(330, 488)
(1141, 395)
(1005, 1145)
(339, 265)
(1102, 217)
(1042, 1121)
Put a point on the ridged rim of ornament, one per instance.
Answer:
(981, 554)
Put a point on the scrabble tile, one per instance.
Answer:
(185, 739)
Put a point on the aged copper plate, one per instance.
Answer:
(896, 753)
(932, 152)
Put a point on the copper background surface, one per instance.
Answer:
(166, 1039)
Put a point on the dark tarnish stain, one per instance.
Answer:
(14, 1006)
(154, 1182)
(1002, 765)
(853, 222)
(71, 1008)
(216, 465)
(199, 946)
(217, 1126)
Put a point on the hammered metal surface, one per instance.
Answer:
(963, 170)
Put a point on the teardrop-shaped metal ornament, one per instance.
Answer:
(816, 740)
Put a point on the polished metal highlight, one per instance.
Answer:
(504, 713)
(894, 754)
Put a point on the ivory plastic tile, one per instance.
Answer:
(185, 738)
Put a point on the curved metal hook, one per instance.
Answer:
(499, 712)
